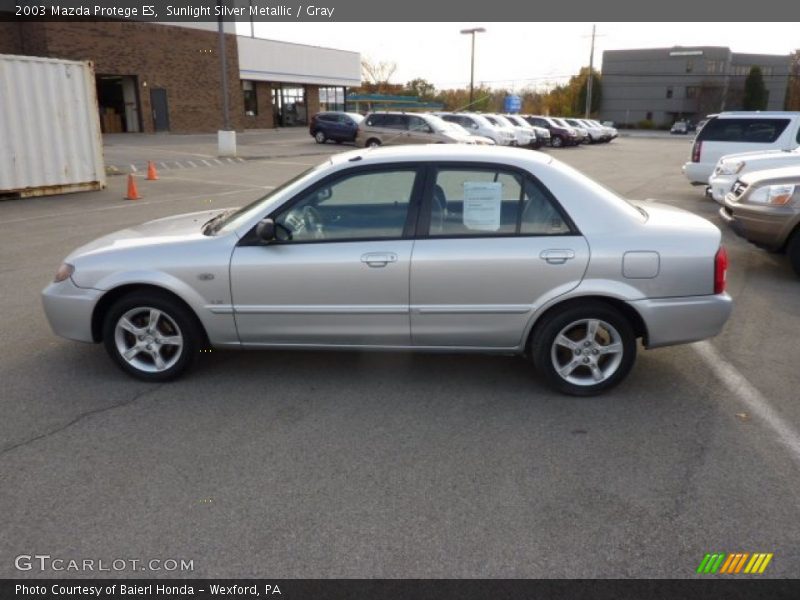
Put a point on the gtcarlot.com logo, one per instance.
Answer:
(721, 563)
(45, 562)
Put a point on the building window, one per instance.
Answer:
(331, 98)
(250, 99)
(715, 67)
(689, 65)
(669, 92)
(692, 91)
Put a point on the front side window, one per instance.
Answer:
(491, 202)
(365, 205)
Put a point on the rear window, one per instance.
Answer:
(764, 131)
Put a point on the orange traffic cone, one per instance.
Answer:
(133, 193)
(152, 174)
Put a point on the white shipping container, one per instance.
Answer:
(50, 141)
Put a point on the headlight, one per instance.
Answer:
(65, 271)
(776, 195)
(730, 168)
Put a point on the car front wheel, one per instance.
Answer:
(320, 137)
(584, 348)
(557, 141)
(151, 336)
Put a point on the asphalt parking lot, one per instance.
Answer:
(310, 464)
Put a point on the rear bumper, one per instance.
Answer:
(69, 309)
(698, 173)
(681, 320)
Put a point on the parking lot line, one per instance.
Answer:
(740, 388)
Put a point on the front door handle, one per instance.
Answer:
(557, 256)
(378, 259)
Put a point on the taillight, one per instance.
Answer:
(696, 149)
(720, 270)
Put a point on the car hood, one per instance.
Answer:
(177, 228)
(759, 154)
(781, 175)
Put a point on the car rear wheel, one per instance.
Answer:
(320, 137)
(373, 143)
(584, 349)
(557, 141)
(793, 252)
(151, 336)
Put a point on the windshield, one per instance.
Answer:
(454, 128)
(438, 123)
(232, 219)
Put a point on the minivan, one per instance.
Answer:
(741, 131)
(392, 128)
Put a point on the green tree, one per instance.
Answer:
(422, 88)
(597, 93)
(755, 92)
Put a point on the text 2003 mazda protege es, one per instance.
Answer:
(430, 248)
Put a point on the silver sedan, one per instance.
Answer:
(430, 248)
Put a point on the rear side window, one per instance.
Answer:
(376, 120)
(485, 202)
(764, 131)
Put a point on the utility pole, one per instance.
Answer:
(472, 32)
(590, 79)
(226, 137)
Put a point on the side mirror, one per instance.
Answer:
(265, 230)
(324, 194)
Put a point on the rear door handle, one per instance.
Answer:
(378, 259)
(557, 256)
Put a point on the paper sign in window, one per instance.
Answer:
(482, 204)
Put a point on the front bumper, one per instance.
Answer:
(69, 309)
(720, 185)
(766, 226)
(681, 320)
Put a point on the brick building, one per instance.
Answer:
(166, 77)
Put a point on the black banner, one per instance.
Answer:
(401, 589)
(407, 11)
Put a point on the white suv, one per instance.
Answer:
(734, 132)
(477, 124)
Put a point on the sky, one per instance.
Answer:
(518, 55)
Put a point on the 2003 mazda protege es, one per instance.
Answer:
(452, 248)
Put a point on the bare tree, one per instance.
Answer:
(377, 73)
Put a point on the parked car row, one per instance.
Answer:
(393, 127)
(750, 162)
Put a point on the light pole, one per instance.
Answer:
(472, 32)
(590, 79)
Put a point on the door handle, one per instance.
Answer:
(378, 259)
(557, 257)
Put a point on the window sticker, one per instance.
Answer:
(482, 203)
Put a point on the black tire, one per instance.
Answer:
(320, 137)
(793, 251)
(613, 328)
(557, 141)
(175, 322)
(373, 143)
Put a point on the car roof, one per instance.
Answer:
(758, 113)
(440, 152)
